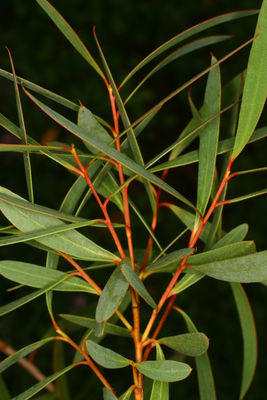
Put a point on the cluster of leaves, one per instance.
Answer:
(110, 166)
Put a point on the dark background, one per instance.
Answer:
(128, 31)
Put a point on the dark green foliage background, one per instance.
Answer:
(128, 30)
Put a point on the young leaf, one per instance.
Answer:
(112, 296)
(204, 371)
(136, 283)
(72, 242)
(190, 344)
(237, 234)
(127, 395)
(187, 281)
(40, 277)
(69, 33)
(13, 358)
(105, 357)
(208, 138)
(29, 393)
(160, 390)
(255, 89)
(164, 370)
(249, 336)
(246, 269)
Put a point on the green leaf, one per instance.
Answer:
(69, 33)
(26, 154)
(235, 235)
(59, 362)
(204, 372)
(71, 242)
(167, 263)
(127, 395)
(13, 358)
(109, 151)
(160, 390)
(246, 269)
(255, 88)
(208, 138)
(164, 370)
(108, 395)
(190, 344)
(112, 296)
(224, 146)
(105, 357)
(3, 390)
(187, 281)
(39, 277)
(136, 283)
(186, 35)
(249, 336)
(29, 393)
(89, 323)
(247, 196)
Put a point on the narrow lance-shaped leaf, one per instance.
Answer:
(108, 150)
(236, 234)
(136, 283)
(112, 295)
(249, 336)
(39, 277)
(128, 394)
(164, 370)
(191, 344)
(108, 395)
(208, 138)
(105, 357)
(160, 390)
(69, 33)
(187, 281)
(204, 372)
(255, 89)
(3, 390)
(26, 154)
(13, 358)
(59, 362)
(246, 269)
(167, 262)
(71, 242)
(29, 393)
(187, 34)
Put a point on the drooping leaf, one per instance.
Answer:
(186, 35)
(29, 393)
(237, 234)
(39, 277)
(249, 336)
(105, 357)
(255, 89)
(164, 370)
(112, 296)
(109, 151)
(204, 372)
(69, 33)
(160, 390)
(245, 269)
(71, 242)
(13, 358)
(190, 344)
(208, 138)
(136, 283)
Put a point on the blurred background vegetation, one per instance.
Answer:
(128, 31)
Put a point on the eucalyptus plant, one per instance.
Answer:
(108, 167)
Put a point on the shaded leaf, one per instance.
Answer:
(255, 88)
(108, 395)
(167, 263)
(13, 358)
(164, 370)
(105, 357)
(59, 363)
(40, 277)
(136, 283)
(112, 296)
(3, 390)
(190, 344)
(160, 390)
(249, 336)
